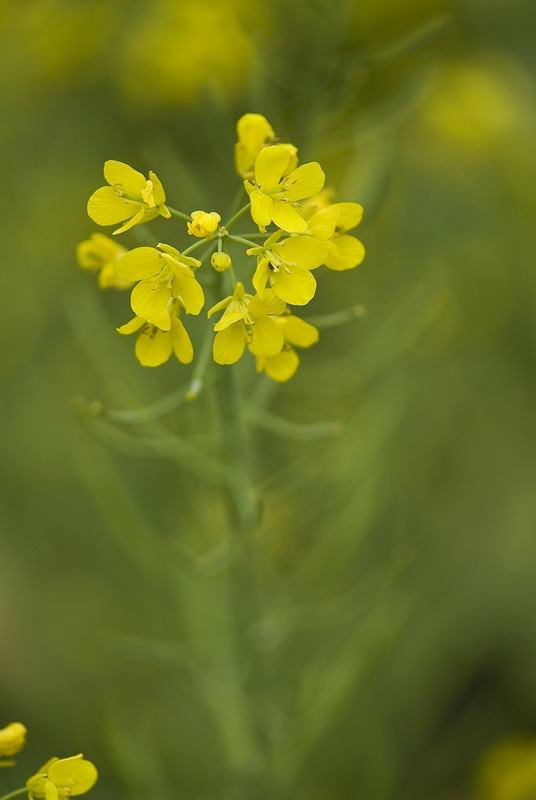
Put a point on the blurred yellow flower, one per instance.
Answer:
(274, 194)
(162, 274)
(297, 332)
(287, 266)
(129, 197)
(61, 778)
(160, 338)
(254, 132)
(247, 320)
(101, 253)
(12, 740)
(203, 225)
(508, 771)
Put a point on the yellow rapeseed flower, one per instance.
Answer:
(330, 223)
(297, 332)
(274, 194)
(12, 740)
(247, 320)
(160, 338)
(203, 225)
(101, 253)
(130, 196)
(508, 771)
(61, 778)
(162, 274)
(287, 266)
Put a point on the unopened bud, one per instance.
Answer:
(203, 224)
(220, 261)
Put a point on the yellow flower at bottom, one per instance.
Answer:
(247, 320)
(508, 771)
(61, 778)
(297, 332)
(12, 740)
(160, 338)
(101, 253)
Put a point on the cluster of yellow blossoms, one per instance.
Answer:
(310, 231)
(58, 779)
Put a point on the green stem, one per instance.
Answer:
(240, 240)
(179, 214)
(16, 793)
(193, 247)
(237, 216)
(337, 318)
(198, 377)
(254, 235)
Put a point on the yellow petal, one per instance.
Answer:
(305, 181)
(149, 298)
(126, 179)
(159, 194)
(153, 347)
(344, 252)
(297, 331)
(253, 130)
(282, 366)
(297, 287)
(350, 215)
(229, 344)
(182, 344)
(260, 278)
(306, 252)
(51, 792)
(261, 208)
(270, 165)
(144, 214)
(105, 207)
(132, 326)
(189, 291)
(287, 217)
(323, 222)
(142, 262)
(75, 770)
(162, 321)
(267, 338)
(293, 153)
(270, 303)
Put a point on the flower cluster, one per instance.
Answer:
(58, 779)
(307, 231)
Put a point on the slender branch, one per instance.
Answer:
(338, 317)
(178, 214)
(198, 377)
(193, 247)
(237, 216)
(240, 240)
(16, 793)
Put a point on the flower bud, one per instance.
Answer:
(12, 738)
(203, 224)
(220, 261)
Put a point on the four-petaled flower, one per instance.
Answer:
(331, 224)
(247, 320)
(61, 778)
(130, 196)
(101, 253)
(287, 266)
(274, 194)
(297, 332)
(162, 274)
(161, 337)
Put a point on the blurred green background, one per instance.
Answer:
(397, 558)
